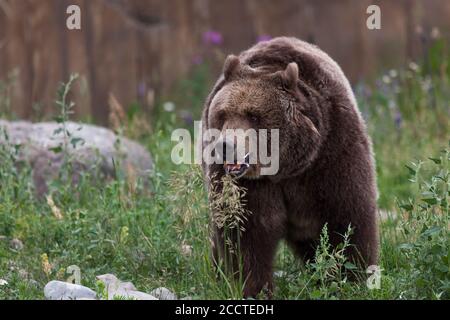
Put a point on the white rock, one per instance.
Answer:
(33, 283)
(23, 274)
(3, 282)
(110, 280)
(59, 290)
(16, 244)
(186, 250)
(279, 274)
(122, 290)
(387, 215)
(169, 106)
(163, 294)
(130, 294)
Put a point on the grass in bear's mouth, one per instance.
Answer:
(142, 236)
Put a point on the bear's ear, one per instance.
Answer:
(231, 66)
(290, 76)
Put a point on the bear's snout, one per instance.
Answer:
(228, 153)
(237, 169)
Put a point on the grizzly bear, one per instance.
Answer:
(326, 167)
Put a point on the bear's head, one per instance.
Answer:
(265, 101)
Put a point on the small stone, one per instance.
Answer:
(12, 265)
(3, 282)
(279, 274)
(169, 106)
(122, 290)
(111, 281)
(33, 283)
(59, 290)
(163, 294)
(16, 244)
(23, 274)
(385, 215)
(186, 250)
(133, 295)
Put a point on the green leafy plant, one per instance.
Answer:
(426, 230)
(65, 110)
(330, 268)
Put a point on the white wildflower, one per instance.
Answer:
(413, 66)
(393, 73)
(186, 250)
(169, 106)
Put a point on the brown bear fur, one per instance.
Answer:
(326, 173)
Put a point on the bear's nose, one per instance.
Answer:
(225, 150)
(227, 153)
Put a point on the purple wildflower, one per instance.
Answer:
(142, 88)
(187, 117)
(198, 59)
(263, 38)
(212, 37)
(398, 119)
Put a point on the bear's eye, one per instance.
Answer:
(253, 117)
(220, 116)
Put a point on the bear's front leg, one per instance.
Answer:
(248, 252)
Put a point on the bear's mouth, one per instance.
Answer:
(237, 170)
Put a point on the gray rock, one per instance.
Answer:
(279, 274)
(132, 295)
(163, 294)
(384, 215)
(96, 149)
(16, 244)
(122, 290)
(59, 290)
(12, 265)
(23, 274)
(33, 283)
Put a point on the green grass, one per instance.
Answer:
(142, 235)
